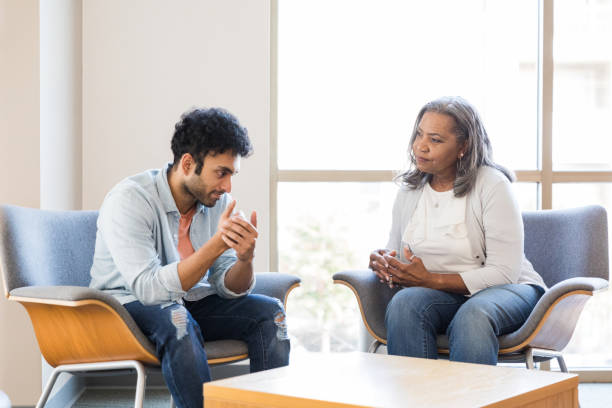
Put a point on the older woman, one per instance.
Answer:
(456, 243)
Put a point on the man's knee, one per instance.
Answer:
(280, 322)
(179, 320)
(272, 310)
(180, 326)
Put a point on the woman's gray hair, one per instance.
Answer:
(469, 130)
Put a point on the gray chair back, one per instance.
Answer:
(563, 244)
(46, 248)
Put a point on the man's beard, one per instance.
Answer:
(211, 199)
(208, 199)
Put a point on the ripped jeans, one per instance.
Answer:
(178, 333)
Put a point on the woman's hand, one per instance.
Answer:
(379, 265)
(412, 273)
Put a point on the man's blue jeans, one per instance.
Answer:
(416, 315)
(178, 333)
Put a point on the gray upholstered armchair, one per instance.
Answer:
(568, 248)
(45, 258)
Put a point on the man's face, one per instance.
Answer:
(214, 180)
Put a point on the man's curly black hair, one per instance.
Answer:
(204, 131)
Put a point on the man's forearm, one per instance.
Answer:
(194, 267)
(238, 279)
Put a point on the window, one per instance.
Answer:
(581, 144)
(351, 77)
(327, 227)
(582, 85)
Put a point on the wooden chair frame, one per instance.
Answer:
(94, 337)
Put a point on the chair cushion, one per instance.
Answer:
(225, 348)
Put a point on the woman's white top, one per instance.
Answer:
(493, 228)
(437, 232)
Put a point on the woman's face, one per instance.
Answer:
(435, 146)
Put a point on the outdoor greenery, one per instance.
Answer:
(323, 316)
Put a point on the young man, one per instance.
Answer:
(170, 249)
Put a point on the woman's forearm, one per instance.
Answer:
(451, 282)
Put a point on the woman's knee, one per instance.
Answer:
(407, 304)
(472, 320)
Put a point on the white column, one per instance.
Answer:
(61, 123)
(60, 104)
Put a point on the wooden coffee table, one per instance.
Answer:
(377, 380)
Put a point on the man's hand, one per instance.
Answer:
(379, 264)
(238, 233)
(194, 267)
(225, 216)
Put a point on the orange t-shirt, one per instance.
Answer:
(184, 243)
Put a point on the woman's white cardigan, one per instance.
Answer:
(494, 229)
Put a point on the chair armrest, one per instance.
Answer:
(562, 288)
(63, 293)
(548, 303)
(275, 284)
(580, 283)
(372, 296)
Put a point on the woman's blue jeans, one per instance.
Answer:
(178, 333)
(416, 315)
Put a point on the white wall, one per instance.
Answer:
(144, 63)
(147, 61)
(20, 371)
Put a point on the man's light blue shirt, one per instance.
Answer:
(136, 254)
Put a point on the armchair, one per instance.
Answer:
(45, 258)
(568, 248)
